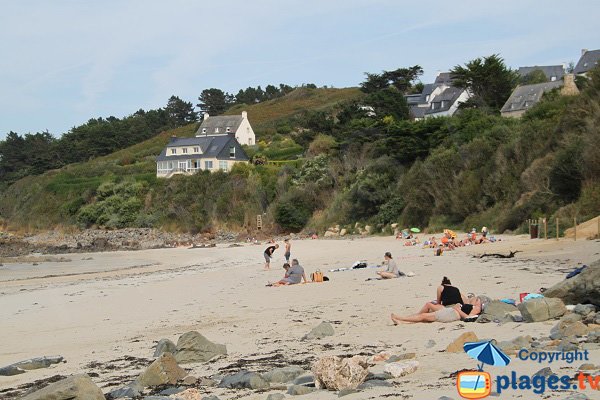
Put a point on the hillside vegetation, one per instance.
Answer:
(473, 169)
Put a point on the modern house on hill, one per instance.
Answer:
(526, 96)
(589, 59)
(552, 72)
(215, 147)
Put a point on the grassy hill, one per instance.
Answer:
(56, 197)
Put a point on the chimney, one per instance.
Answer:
(583, 51)
(569, 87)
(205, 116)
(244, 115)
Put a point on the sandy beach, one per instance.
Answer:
(105, 312)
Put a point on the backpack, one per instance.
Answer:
(316, 276)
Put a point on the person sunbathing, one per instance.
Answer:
(446, 314)
(446, 295)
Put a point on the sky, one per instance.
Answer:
(63, 62)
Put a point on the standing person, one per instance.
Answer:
(269, 254)
(288, 248)
(392, 270)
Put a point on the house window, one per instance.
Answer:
(223, 165)
(196, 149)
(232, 151)
(216, 130)
(208, 164)
(170, 165)
(203, 130)
(250, 141)
(184, 150)
(228, 129)
(173, 151)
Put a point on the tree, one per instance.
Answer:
(180, 112)
(535, 76)
(488, 79)
(401, 78)
(214, 101)
(389, 101)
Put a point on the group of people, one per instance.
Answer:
(450, 305)
(450, 241)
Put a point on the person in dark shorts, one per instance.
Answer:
(269, 255)
(288, 248)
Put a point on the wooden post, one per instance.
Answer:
(529, 224)
(556, 228)
(575, 228)
(259, 222)
(545, 229)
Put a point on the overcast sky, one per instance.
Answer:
(65, 61)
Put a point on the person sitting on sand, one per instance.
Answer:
(392, 270)
(269, 255)
(295, 274)
(446, 295)
(285, 280)
(445, 314)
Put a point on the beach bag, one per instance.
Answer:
(316, 276)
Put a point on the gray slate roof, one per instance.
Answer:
(443, 78)
(449, 95)
(588, 61)
(549, 70)
(524, 97)
(221, 122)
(211, 146)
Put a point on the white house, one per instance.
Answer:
(236, 125)
(216, 147)
(439, 98)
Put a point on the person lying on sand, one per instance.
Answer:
(294, 275)
(392, 270)
(445, 314)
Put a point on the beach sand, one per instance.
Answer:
(104, 312)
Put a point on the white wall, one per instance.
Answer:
(245, 133)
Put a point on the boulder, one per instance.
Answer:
(283, 375)
(584, 309)
(132, 390)
(587, 367)
(307, 379)
(343, 232)
(497, 310)
(400, 369)
(371, 383)
(457, 345)
(193, 347)
(164, 346)
(567, 328)
(577, 396)
(368, 229)
(11, 370)
(400, 357)
(537, 310)
(320, 331)
(335, 373)
(430, 343)
(244, 380)
(74, 387)
(298, 390)
(583, 288)
(346, 392)
(162, 371)
(547, 371)
(34, 363)
(276, 396)
(568, 344)
(330, 234)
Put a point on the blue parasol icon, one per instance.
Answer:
(487, 353)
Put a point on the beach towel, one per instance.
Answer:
(532, 296)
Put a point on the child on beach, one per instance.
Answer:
(288, 248)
